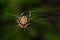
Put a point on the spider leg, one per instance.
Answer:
(27, 25)
(20, 26)
(17, 21)
(30, 14)
(22, 13)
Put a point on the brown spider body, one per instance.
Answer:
(23, 21)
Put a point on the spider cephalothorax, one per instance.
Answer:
(24, 20)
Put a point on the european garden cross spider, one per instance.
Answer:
(24, 20)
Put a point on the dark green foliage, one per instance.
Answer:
(45, 23)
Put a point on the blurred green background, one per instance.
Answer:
(45, 23)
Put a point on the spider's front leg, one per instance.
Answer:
(18, 24)
(27, 25)
(17, 21)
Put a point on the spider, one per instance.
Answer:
(24, 20)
